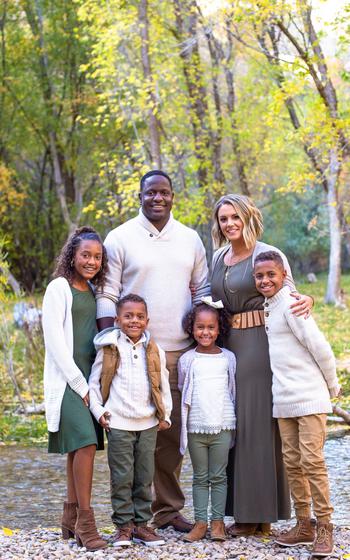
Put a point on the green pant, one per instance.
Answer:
(131, 463)
(209, 456)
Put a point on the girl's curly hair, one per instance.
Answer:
(222, 315)
(65, 260)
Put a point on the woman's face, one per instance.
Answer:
(230, 223)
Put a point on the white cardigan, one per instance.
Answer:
(59, 368)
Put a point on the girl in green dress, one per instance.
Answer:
(69, 324)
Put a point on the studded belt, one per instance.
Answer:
(248, 319)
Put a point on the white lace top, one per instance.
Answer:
(212, 409)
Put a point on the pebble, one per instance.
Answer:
(46, 544)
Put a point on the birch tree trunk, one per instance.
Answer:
(153, 125)
(333, 294)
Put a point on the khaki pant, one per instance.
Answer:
(169, 498)
(302, 446)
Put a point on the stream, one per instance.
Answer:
(32, 485)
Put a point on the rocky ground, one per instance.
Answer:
(46, 544)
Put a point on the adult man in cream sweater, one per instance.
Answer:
(157, 257)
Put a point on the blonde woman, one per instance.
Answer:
(258, 493)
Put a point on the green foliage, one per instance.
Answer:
(23, 430)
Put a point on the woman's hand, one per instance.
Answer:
(163, 425)
(303, 305)
(104, 421)
(86, 399)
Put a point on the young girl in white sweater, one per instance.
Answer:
(69, 324)
(206, 380)
(304, 380)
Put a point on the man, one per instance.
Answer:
(157, 257)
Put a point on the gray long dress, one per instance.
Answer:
(257, 484)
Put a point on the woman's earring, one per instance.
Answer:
(72, 263)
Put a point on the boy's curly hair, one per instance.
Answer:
(222, 315)
(65, 260)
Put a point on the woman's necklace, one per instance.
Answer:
(233, 261)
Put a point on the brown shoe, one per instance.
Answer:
(242, 529)
(85, 531)
(123, 535)
(198, 532)
(302, 533)
(146, 535)
(69, 518)
(323, 545)
(179, 523)
(217, 530)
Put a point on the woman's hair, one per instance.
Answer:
(222, 315)
(249, 214)
(65, 260)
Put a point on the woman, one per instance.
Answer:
(257, 486)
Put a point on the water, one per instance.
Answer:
(32, 485)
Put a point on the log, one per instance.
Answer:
(342, 413)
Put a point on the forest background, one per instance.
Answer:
(225, 96)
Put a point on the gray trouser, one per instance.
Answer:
(209, 456)
(131, 464)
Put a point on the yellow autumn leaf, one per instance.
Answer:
(7, 532)
(346, 556)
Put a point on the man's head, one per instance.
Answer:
(269, 273)
(156, 197)
(132, 316)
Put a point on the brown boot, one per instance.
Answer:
(242, 529)
(217, 530)
(85, 531)
(302, 533)
(198, 532)
(323, 545)
(69, 518)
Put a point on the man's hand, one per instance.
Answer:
(163, 425)
(302, 306)
(104, 421)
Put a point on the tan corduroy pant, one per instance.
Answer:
(302, 446)
(169, 498)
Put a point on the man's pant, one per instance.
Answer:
(131, 464)
(302, 446)
(169, 498)
(209, 456)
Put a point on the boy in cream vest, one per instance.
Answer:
(130, 397)
(304, 379)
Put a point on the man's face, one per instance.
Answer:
(156, 199)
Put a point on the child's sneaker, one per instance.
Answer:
(302, 533)
(123, 535)
(323, 545)
(146, 535)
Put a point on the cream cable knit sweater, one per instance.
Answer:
(59, 367)
(302, 362)
(158, 266)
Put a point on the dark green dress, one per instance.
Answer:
(257, 483)
(77, 426)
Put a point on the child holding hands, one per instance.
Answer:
(130, 397)
(206, 380)
(69, 325)
(304, 380)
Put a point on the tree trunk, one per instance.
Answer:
(153, 125)
(333, 294)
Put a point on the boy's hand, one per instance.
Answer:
(163, 425)
(104, 421)
(302, 306)
(86, 399)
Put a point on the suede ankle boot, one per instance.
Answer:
(69, 518)
(323, 545)
(85, 531)
(198, 532)
(217, 530)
